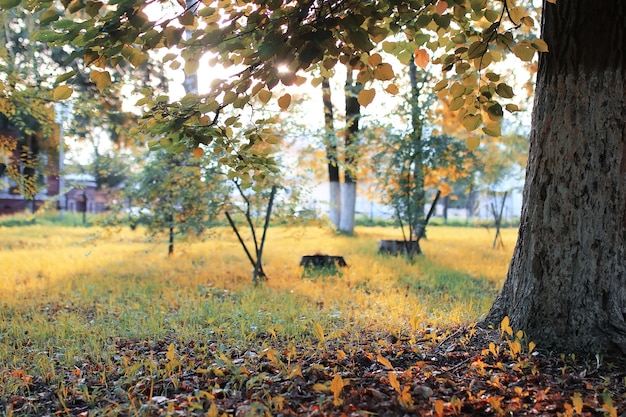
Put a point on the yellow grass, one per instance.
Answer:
(73, 263)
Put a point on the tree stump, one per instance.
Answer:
(395, 247)
(318, 264)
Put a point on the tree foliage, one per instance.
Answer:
(177, 194)
(255, 40)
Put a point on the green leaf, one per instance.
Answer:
(64, 77)
(495, 111)
(360, 39)
(9, 4)
(476, 50)
(48, 17)
(504, 90)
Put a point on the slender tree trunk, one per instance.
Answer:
(330, 141)
(566, 286)
(416, 140)
(348, 192)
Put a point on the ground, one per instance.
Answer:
(464, 371)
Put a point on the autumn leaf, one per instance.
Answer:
(441, 7)
(198, 152)
(191, 66)
(284, 101)
(421, 58)
(439, 407)
(392, 89)
(472, 143)
(393, 381)
(493, 129)
(471, 121)
(524, 51)
(102, 79)
(264, 96)
(540, 45)
(319, 332)
(504, 90)
(366, 96)
(62, 92)
(336, 386)
(577, 402)
(374, 59)
(384, 361)
(384, 72)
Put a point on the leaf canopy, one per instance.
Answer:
(255, 39)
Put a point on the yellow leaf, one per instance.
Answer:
(213, 411)
(421, 58)
(472, 143)
(62, 92)
(516, 14)
(524, 51)
(384, 72)
(375, 59)
(284, 101)
(366, 96)
(198, 152)
(320, 387)
(540, 45)
(101, 78)
(384, 361)
(512, 107)
(441, 85)
(336, 386)
(392, 89)
(471, 121)
(577, 402)
(229, 97)
(393, 381)
(505, 326)
(191, 66)
(528, 21)
(319, 332)
(439, 407)
(265, 96)
(457, 89)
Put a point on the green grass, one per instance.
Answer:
(76, 296)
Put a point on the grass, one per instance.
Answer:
(73, 296)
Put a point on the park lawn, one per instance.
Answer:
(102, 322)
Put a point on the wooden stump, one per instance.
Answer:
(395, 247)
(322, 264)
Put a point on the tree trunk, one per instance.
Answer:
(353, 115)
(566, 285)
(417, 127)
(330, 141)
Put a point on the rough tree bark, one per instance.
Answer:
(331, 154)
(566, 285)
